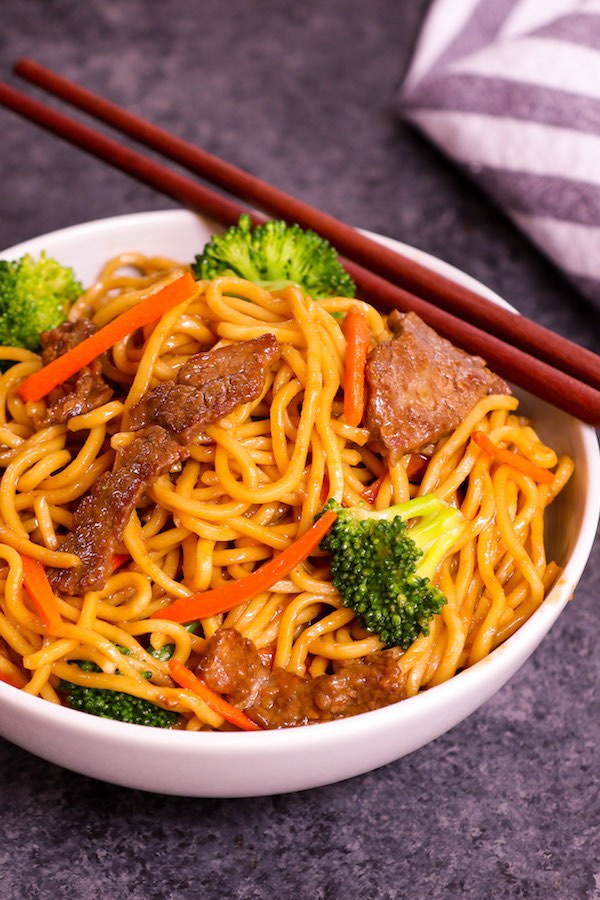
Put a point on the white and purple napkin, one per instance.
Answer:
(510, 90)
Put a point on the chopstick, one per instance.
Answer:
(408, 274)
(534, 375)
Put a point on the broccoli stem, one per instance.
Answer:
(435, 536)
(383, 563)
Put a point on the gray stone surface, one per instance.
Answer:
(505, 805)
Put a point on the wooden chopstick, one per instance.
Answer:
(408, 274)
(536, 376)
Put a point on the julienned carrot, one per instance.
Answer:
(186, 679)
(358, 336)
(42, 596)
(153, 307)
(12, 681)
(118, 560)
(224, 598)
(416, 467)
(512, 459)
(325, 487)
(369, 494)
(414, 471)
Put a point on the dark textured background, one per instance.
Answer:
(506, 804)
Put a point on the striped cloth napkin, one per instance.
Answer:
(510, 90)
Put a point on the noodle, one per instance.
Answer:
(252, 484)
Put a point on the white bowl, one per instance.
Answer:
(251, 764)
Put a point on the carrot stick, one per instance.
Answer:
(416, 466)
(415, 469)
(118, 560)
(12, 681)
(512, 459)
(153, 307)
(42, 596)
(186, 679)
(370, 493)
(224, 598)
(357, 349)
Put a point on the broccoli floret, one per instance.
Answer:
(166, 651)
(114, 704)
(34, 297)
(382, 563)
(117, 705)
(164, 654)
(275, 254)
(86, 665)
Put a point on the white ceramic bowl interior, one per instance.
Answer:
(251, 764)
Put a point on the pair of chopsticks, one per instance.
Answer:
(535, 358)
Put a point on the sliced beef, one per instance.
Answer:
(167, 420)
(80, 394)
(209, 386)
(102, 515)
(275, 698)
(231, 665)
(420, 387)
(176, 407)
(55, 343)
(84, 391)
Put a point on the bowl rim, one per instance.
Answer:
(501, 660)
